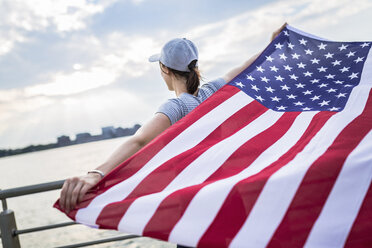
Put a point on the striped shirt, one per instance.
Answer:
(176, 108)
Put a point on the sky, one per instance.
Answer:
(71, 66)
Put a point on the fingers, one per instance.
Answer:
(75, 194)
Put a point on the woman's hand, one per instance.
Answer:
(75, 188)
(276, 33)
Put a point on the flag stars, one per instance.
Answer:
(364, 44)
(274, 68)
(359, 59)
(338, 82)
(348, 85)
(249, 77)
(333, 109)
(293, 76)
(279, 78)
(240, 84)
(278, 46)
(344, 69)
(260, 69)
(285, 87)
(265, 79)
(350, 54)
(315, 61)
(336, 62)
(341, 95)
(308, 92)
(328, 55)
(303, 41)
(300, 85)
(291, 96)
(295, 56)
(301, 65)
(306, 109)
(314, 81)
(269, 58)
(331, 90)
(287, 68)
(315, 98)
(269, 89)
(323, 85)
(290, 45)
(354, 75)
(275, 99)
(330, 76)
(259, 98)
(342, 47)
(308, 74)
(298, 103)
(254, 87)
(324, 103)
(309, 52)
(281, 107)
(322, 69)
(322, 46)
(282, 56)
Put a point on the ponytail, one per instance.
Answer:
(193, 79)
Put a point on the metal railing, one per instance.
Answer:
(8, 227)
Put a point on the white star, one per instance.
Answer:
(298, 103)
(331, 90)
(293, 76)
(315, 61)
(287, 68)
(285, 33)
(291, 96)
(279, 78)
(281, 107)
(348, 85)
(300, 85)
(306, 108)
(278, 46)
(359, 59)
(329, 76)
(309, 52)
(322, 46)
(254, 87)
(324, 103)
(344, 69)
(328, 55)
(250, 77)
(322, 85)
(354, 75)
(282, 56)
(271, 90)
(315, 98)
(274, 68)
(364, 44)
(240, 84)
(336, 62)
(295, 56)
(303, 41)
(259, 98)
(322, 69)
(341, 95)
(333, 109)
(265, 79)
(350, 54)
(308, 74)
(314, 81)
(338, 82)
(301, 65)
(343, 47)
(308, 92)
(260, 69)
(285, 87)
(269, 58)
(290, 45)
(275, 99)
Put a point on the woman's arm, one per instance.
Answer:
(236, 71)
(75, 188)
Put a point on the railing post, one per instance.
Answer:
(8, 227)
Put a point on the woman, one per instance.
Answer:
(178, 64)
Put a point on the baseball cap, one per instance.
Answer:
(177, 54)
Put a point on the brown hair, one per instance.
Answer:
(192, 77)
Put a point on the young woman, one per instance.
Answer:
(179, 69)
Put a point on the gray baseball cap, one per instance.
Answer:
(177, 54)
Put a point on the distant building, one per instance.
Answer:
(63, 140)
(83, 137)
(108, 132)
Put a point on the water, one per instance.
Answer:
(36, 210)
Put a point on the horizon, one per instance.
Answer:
(73, 67)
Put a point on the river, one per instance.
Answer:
(36, 210)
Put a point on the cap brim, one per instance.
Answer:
(155, 58)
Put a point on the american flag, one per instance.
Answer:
(281, 156)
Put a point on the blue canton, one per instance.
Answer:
(299, 73)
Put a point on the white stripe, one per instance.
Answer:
(289, 27)
(278, 192)
(141, 210)
(338, 214)
(184, 141)
(207, 202)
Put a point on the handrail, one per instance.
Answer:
(9, 232)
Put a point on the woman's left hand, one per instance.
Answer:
(277, 32)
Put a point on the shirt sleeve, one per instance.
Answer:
(215, 85)
(172, 109)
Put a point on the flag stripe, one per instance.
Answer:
(159, 178)
(345, 199)
(318, 181)
(188, 138)
(165, 217)
(196, 172)
(207, 201)
(279, 190)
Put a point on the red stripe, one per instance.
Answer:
(361, 232)
(138, 160)
(164, 174)
(318, 183)
(173, 207)
(244, 194)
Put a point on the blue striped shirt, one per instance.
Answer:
(176, 108)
